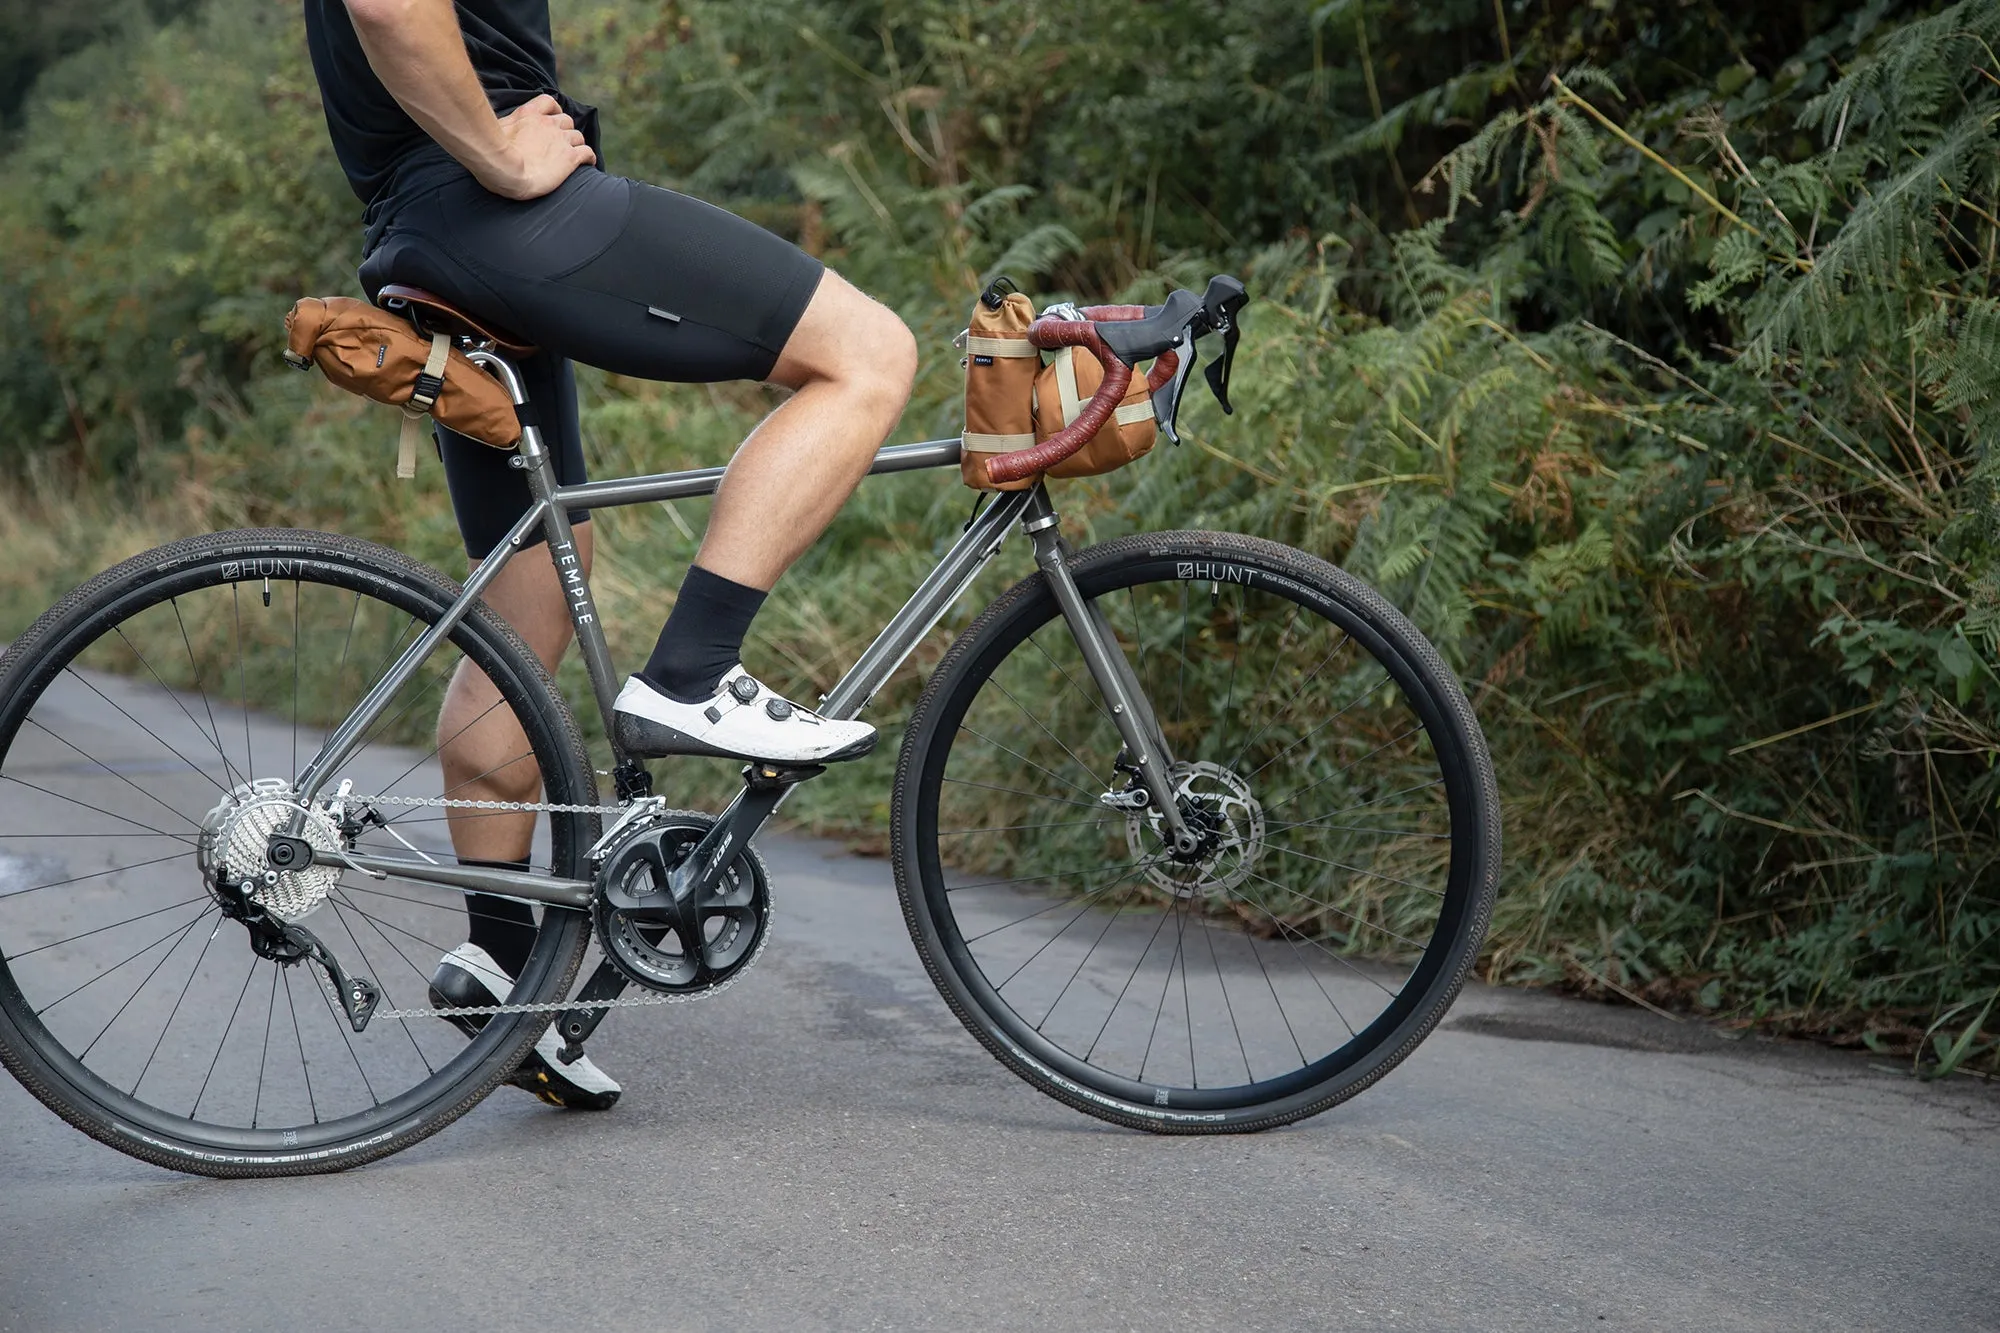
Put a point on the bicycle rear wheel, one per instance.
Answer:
(170, 700)
(1351, 838)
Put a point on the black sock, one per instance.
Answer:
(703, 636)
(501, 926)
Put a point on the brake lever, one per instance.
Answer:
(1167, 398)
(1223, 304)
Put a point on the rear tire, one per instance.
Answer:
(131, 704)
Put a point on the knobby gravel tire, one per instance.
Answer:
(1434, 692)
(105, 1113)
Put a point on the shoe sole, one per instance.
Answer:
(647, 739)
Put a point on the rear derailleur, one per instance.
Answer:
(288, 942)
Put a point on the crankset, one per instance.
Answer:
(677, 934)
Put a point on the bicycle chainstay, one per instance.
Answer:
(546, 1007)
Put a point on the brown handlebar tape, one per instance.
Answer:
(1052, 333)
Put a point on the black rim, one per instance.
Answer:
(1442, 951)
(175, 739)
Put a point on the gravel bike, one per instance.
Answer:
(1193, 831)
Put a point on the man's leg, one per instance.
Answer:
(483, 750)
(850, 362)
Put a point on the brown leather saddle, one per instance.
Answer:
(432, 314)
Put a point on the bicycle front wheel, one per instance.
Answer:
(1349, 822)
(150, 728)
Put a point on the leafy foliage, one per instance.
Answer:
(1646, 353)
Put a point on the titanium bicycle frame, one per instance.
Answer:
(765, 785)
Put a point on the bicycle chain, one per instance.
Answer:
(546, 1007)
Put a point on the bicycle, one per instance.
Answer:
(1193, 831)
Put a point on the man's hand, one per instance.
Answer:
(418, 51)
(541, 146)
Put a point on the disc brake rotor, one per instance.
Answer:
(689, 946)
(1218, 805)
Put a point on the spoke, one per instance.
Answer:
(1358, 870)
(345, 1029)
(1287, 928)
(95, 874)
(1029, 762)
(203, 1092)
(1286, 707)
(1112, 1013)
(99, 930)
(299, 1040)
(1087, 770)
(1017, 828)
(1358, 828)
(1077, 971)
(1326, 905)
(1180, 693)
(124, 819)
(340, 671)
(435, 749)
(1166, 983)
(1324, 724)
(1093, 700)
(1227, 1007)
(172, 1013)
(380, 923)
(1273, 988)
(84, 1054)
(270, 1013)
(1031, 795)
(1058, 906)
(295, 681)
(1085, 868)
(243, 679)
(383, 725)
(1393, 740)
(361, 949)
(215, 730)
(109, 970)
(41, 727)
(1084, 898)
(1235, 658)
(85, 682)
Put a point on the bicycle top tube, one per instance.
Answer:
(703, 481)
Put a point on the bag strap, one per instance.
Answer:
(430, 383)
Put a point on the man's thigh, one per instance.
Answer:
(617, 274)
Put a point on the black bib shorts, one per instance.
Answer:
(611, 272)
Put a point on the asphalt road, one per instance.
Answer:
(823, 1147)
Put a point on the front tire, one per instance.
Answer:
(1351, 853)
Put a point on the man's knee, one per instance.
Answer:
(847, 338)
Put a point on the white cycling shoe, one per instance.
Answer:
(468, 977)
(742, 720)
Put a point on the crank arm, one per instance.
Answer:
(606, 983)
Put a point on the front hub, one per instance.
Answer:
(1227, 825)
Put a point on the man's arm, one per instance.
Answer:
(416, 48)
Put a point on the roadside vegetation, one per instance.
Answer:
(1646, 354)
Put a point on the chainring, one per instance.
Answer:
(681, 948)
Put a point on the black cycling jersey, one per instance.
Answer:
(381, 149)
